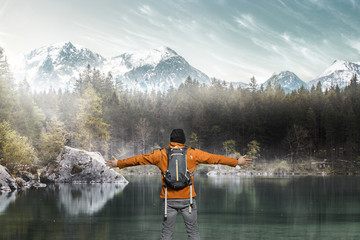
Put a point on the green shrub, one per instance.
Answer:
(15, 150)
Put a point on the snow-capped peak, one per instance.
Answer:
(59, 65)
(55, 65)
(340, 65)
(288, 81)
(339, 73)
(66, 45)
(147, 57)
(154, 69)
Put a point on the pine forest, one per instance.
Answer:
(304, 129)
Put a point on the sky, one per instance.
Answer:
(231, 40)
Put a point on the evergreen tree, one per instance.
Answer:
(83, 80)
(229, 147)
(253, 84)
(298, 143)
(52, 141)
(93, 131)
(29, 117)
(194, 141)
(353, 80)
(143, 133)
(254, 151)
(7, 93)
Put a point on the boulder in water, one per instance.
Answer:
(7, 182)
(79, 166)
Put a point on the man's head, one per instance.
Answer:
(177, 135)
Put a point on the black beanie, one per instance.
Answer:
(177, 135)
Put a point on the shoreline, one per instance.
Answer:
(249, 174)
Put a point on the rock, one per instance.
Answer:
(26, 179)
(79, 166)
(20, 182)
(7, 182)
(26, 176)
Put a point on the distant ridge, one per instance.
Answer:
(339, 73)
(55, 66)
(59, 65)
(287, 80)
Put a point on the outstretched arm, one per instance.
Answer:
(111, 163)
(152, 158)
(243, 161)
(207, 158)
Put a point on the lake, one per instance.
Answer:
(229, 207)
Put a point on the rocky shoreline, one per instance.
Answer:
(22, 180)
(72, 166)
(79, 166)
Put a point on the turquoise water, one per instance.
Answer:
(228, 208)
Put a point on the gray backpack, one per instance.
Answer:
(177, 176)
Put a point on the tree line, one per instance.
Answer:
(99, 114)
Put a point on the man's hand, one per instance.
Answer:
(111, 163)
(243, 161)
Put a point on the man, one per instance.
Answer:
(179, 199)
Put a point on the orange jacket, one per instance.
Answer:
(159, 158)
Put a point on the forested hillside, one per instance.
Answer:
(100, 115)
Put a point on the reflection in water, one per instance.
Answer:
(87, 199)
(221, 181)
(229, 207)
(6, 199)
(279, 207)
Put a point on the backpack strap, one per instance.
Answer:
(165, 212)
(164, 173)
(191, 199)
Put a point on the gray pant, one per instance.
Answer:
(190, 219)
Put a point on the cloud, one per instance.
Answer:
(354, 3)
(286, 37)
(354, 44)
(241, 68)
(146, 9)
(246, 21)
(258, 28)
(319, 3)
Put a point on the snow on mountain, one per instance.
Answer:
(55, 66)
(239, 85)
(156, 69)
(59, 65)
(339, 73)
(287, 80)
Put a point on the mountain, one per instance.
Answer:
(155, 69)
(287, 80)
(339, 73)
(59, 65)
(55, 66)
(239, 85)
